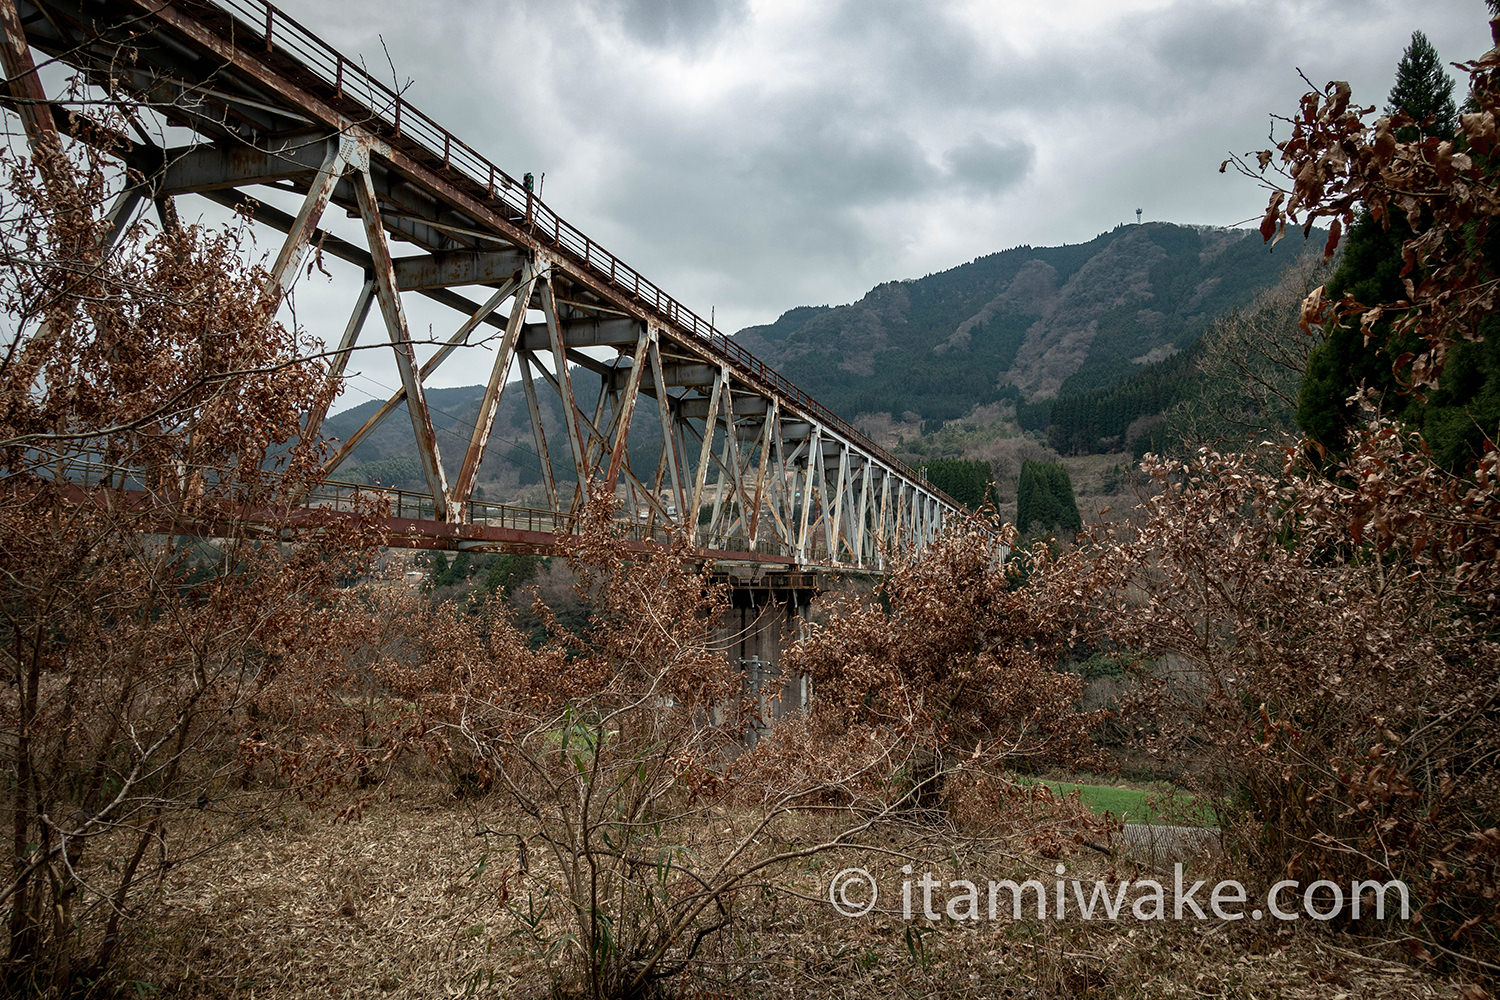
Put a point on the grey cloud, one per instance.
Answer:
(677, 24)
(831, 159)
(1208, 41)
(766, 199)
(686, 23)
(798, 182)
(785, 190)
(908, 51)
(985, 167)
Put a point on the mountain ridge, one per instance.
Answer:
(1035, 320)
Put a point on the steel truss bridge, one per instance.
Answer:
(753, 466)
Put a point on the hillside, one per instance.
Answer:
(511, 469)
(1022, 325)
(389, 455)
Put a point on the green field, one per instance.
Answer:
(1135, 805)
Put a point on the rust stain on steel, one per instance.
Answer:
(31, 101)
(288, 261)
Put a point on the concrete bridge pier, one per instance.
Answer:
(767, 610)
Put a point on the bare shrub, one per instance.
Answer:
(146, 390)
(650, 825)
(1337, 671)
(955, 658)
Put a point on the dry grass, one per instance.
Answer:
(389, 903)
(1102, 484)
(310, 906)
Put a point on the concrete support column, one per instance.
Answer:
(761, 620)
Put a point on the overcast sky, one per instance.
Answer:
(754, 155)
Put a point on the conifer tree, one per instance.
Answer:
(1453, 418)
(969, 481)
(1044, 498)
(1424, 91)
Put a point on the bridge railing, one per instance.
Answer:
(390, 113)
(412, 505)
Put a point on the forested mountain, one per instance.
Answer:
(1022, 325)
(1239, 381)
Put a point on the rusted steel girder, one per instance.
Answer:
(389, 297)
(491, 402)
